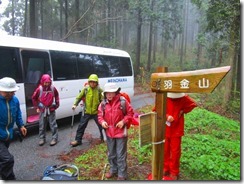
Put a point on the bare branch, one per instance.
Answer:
(98, 22)
(75, 24)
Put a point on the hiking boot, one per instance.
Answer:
(75, 143)
(121, 178)
(53, 142)
(109, 175)
(41, 142)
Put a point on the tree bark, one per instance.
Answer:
(33, 26)
(232, 53)
(13, 18)
(25, 20)
(66, 18)
(150, 40)
(138, 43)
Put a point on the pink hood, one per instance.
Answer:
(45, 78)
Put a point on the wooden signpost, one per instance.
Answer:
(198, 81)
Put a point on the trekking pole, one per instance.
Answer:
(104, 170)
(72, 121)
(72, 124)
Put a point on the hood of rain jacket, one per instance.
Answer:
(46, 96)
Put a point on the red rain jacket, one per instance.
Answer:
(49, 98)
(174, 107)
(112, 114)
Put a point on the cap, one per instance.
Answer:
(175, 95)
(111, 87)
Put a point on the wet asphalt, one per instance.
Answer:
(31, 159)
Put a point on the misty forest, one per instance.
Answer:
(182, 35)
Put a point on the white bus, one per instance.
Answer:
(69, 65)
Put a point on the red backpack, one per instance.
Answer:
(126, 96)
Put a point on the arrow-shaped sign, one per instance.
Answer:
(197, 81)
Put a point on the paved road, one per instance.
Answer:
(31, 159)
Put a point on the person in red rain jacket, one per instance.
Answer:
(178, 104)
(46, 99)
(114, 121)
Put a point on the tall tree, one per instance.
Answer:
(138, 42)
(182, 54)
(61, 9)
(42, 19)
(223, 17)
(33, 25)
(13, 18)
(66, 17)
(151, 19)
(170, 19)
(25, 19)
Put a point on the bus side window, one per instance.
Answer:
(101, 66)
(35, 64)
(10, 67)
(85, 65)
(112, 66)
(64, 65)
(125, 68)
(29, 76)
(36, 76)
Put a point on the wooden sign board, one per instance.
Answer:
(197, 81)
(145, 129)
(162, 82)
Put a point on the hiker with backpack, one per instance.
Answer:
(10, 115)
(91, 95)
(114, 121)
(46, 100)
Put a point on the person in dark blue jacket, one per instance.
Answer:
(10, 114)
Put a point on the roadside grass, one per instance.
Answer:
(210, 151)
(211, 147)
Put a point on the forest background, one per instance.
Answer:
(182, 35)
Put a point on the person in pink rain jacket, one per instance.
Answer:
(46, 100)
(114, 121)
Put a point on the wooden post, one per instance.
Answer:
(198, 81)
(158, 132)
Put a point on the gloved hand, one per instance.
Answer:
(53, 105)
(40, 105)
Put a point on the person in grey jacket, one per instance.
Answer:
(10, 114)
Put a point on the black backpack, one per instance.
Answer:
(61, 172)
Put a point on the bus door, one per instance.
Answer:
(35, 64)
(10, 66)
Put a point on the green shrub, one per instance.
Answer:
(210, 147)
